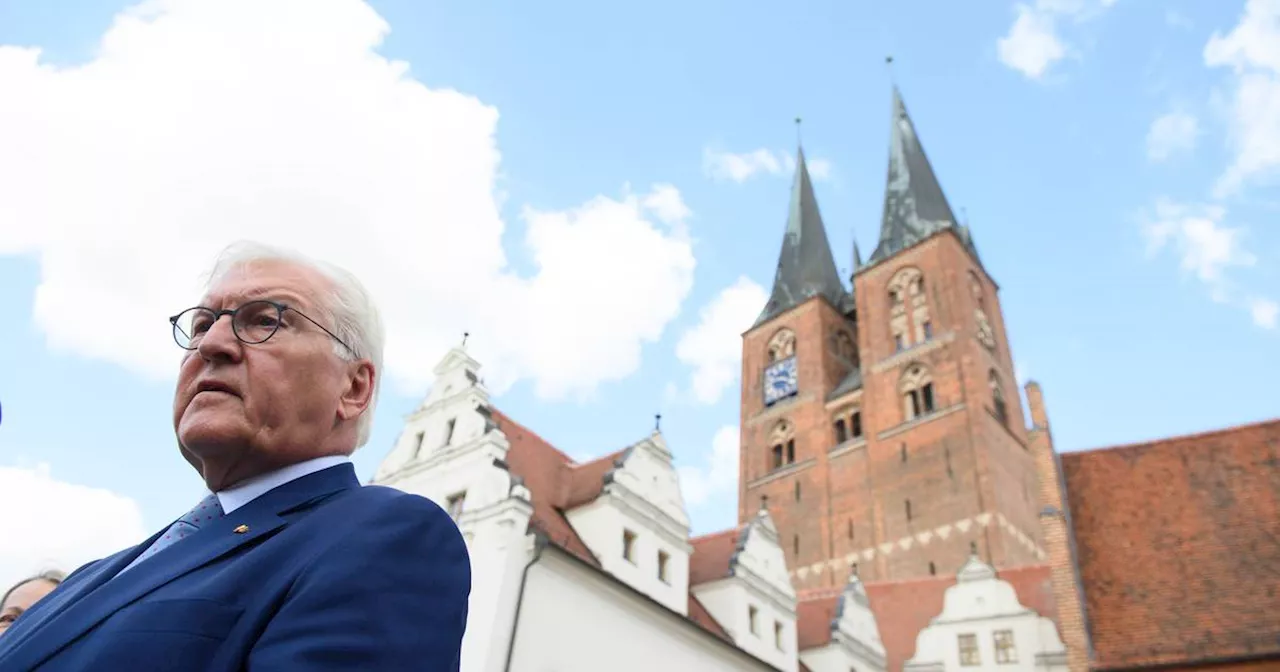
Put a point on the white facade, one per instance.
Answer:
(983, 627)
(855, 637)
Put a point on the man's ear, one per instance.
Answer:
(359, 393)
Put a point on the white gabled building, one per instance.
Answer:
(581, 567)
(983, 627)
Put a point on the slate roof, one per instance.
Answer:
(915, 207)
(1178, 545)
(806, 267)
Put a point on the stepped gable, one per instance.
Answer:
(904, 608)
(1178, 546)
(559, 484)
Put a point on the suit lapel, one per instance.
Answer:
(103, 593)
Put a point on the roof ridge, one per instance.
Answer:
(1182, 437)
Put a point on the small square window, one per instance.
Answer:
(777, 635)
(1006, 652)
(753, 615)
(663, 560)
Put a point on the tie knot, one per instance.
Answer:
(207, 510)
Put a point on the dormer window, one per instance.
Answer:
(968, 644)
(417, 443)
(629, 546)
(753, 616)
(777, 635)
(448, 431)
(664, 559)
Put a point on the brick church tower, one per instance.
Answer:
(882, 425)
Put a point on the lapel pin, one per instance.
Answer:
(241, 530)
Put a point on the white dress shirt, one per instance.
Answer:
(252, 488)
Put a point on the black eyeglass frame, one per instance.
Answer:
(281, 308)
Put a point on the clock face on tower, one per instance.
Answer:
(779, 380)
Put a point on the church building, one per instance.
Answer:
(895, 511)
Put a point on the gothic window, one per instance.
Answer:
(783, 442)
(997, 397)
(782, 345)
(909, 319)
(917, 392)
(842, 432)
(855, 425)
(844, 347)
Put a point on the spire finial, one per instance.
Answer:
(799, 140)
(657, 422)
(465, 334)
(888, 65)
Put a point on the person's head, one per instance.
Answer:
(242, 407)
(25, 593)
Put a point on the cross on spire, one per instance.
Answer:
(465, 334)
(657, 422)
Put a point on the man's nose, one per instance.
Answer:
(220, 341)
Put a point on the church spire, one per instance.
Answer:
(805, 265)
(914, 205)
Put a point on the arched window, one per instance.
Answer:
(782, 442)
(916, 388)
(909, 320)
(997, 397)
(782, 345)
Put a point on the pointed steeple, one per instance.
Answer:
(806, 266)
(914, 205)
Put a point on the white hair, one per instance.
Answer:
(354, 316)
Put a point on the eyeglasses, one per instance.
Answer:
(252, 323)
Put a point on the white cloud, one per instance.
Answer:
(727, 166)
(198, 123)
(1208, 250)
(713, 347)
(1172, 133)
(1265, 313)
(1033, 43)
(1177, 19)
(720, 473)
(1252, 51)
(41, 512)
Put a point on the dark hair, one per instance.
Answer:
(52, 576)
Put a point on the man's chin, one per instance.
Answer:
(210, 434)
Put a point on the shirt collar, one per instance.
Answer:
(251, 488)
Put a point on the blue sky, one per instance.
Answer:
(614, 189)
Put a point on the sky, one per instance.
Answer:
(596, 193)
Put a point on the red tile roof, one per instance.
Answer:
(558, 485)
(1178, 544)
(711, 556)
(904, 608)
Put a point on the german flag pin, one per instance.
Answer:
(241, 530)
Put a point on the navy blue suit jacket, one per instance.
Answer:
(316, 574)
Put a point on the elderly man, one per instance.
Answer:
(289, 564)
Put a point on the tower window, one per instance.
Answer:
(417, 443)
(448, 431)
(777, 456)
(917, 392)
(782, 345)
(997, 398)
(791, 451)
(842, 433)
(753, 616)
(927, 328)
(784, 444)
(855, 424)
(663, 560)
(629, 546)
